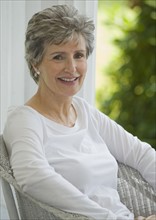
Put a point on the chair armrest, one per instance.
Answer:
(30, 208)
(135, 192)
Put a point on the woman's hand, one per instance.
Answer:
(140, 218)
(152, 217)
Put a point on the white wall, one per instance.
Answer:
(16, 86)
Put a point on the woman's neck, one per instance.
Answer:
(58, 109)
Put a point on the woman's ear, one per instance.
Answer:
(35, 68)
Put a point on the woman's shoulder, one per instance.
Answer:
(83, 104)
(79, 101)
(22, 111)
(90, 111)
(22, 116)
(22, 120)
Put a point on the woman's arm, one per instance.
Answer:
(129, 149)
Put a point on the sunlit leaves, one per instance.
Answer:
(130, 96)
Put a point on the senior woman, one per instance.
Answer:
(63, 151)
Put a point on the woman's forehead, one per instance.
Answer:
(74, 43)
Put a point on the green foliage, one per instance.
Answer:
(130, 98)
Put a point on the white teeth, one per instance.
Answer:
(68, 80)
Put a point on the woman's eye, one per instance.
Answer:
(58, 57)
(79, 55)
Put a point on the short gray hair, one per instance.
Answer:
(55, 25)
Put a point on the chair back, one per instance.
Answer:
(6, 177)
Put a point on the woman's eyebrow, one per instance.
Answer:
(56, 52)
(82, 51)
(63, 52)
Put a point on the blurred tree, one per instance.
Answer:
(131, 100)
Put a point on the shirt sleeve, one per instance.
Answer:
(24, 139)
(128, 149)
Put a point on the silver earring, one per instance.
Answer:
(36, 74)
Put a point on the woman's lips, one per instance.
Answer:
(68, 79)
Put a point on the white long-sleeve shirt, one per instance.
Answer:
(75, 169)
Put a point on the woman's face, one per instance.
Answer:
(63, 68)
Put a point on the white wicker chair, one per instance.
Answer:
(134, 191)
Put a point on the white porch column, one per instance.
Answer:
(16, 86)
(11, 56)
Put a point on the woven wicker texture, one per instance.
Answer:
(134, 192)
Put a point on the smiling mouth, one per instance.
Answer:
(68, 80)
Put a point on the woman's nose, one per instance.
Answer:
(70, 65)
